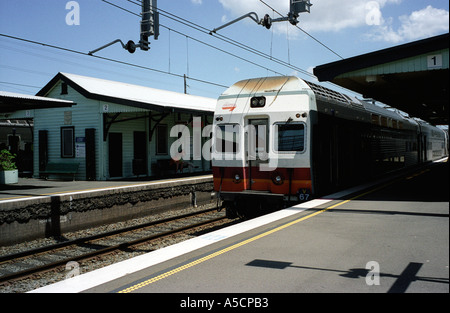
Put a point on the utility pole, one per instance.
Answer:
(185, 84)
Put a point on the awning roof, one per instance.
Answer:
(132, 95)
(11, 102)
(413, 77)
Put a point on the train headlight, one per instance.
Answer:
(277, 179)
(258, 102)
(237, 178)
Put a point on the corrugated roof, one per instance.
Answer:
(29, 97)
(132, 95)
(11, 102)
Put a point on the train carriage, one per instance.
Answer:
(282, 140)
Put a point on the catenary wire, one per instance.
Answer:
(304, 31)
(199, 41)
(228, 40)
(109, 59)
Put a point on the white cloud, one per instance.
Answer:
(336, 16)
(419, 24)
(325, 16)
(197, 1)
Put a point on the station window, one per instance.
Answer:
(375, 119)
(68, 142)
(291, 137)
(64, 90)
(394, 124)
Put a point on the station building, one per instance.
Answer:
(114, 130)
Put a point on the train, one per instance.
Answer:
(277, 141)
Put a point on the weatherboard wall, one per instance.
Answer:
(88, 114)
(82, 116)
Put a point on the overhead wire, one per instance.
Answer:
(246, 47)
(304, 31)
(238, 44)
(228, 40)
(315, 39)
(197, 40)
(108, 59)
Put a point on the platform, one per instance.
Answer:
(37, 208)
(391, 237)
(29, 188)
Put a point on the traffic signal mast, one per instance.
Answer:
(296, 7)
(149, 27)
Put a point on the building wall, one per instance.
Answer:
(89, 114)
(82, 116)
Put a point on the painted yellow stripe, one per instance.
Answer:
(242, 243)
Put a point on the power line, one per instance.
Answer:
(20, 85)
(228, 40)
(238, 44)
(109, 59)
(199, 41)
(304, 31)
(244, 46)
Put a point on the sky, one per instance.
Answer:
(333, 30)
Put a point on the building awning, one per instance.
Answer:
(132, 95)
(412, 77)
(12, 102)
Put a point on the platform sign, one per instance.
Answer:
(434, 61)
(80, 147)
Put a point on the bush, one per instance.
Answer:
(7, 161)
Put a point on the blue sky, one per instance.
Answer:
(348, 28)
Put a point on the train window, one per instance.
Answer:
(227, 138)
(291, 137)
(375, 119)
(394, 124)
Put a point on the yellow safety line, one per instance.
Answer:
(240, 244)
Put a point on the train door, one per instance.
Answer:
(425, 149)
(256, 150)
(422, 148)
(325, 155)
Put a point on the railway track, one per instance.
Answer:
(33, 263)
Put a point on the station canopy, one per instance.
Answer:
(412, 77)
(11, 102)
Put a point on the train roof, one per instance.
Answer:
(291, 84)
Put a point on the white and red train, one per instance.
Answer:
(280, 140)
